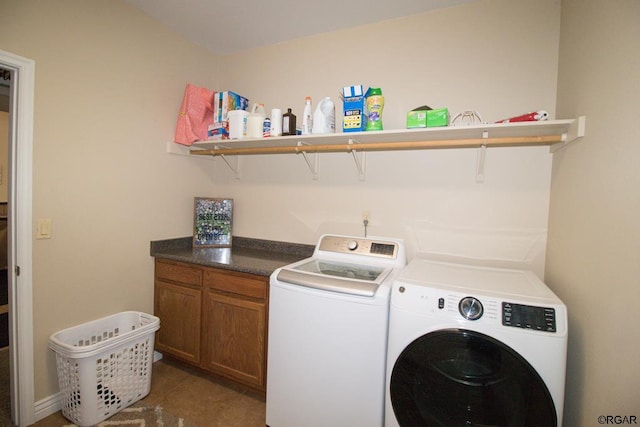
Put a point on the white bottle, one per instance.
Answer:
(255, 121)
(307, 120)
(324, 119)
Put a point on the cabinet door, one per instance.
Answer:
(179, 310)
(234, 338)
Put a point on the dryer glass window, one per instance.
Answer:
(461, 378)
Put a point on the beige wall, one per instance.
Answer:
(497, 57)
(593, 258)
(108, 86)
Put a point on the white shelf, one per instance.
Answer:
(496, 134)
(554, 133)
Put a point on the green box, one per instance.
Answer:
(426, 117)
(417, 119)
(437, 117)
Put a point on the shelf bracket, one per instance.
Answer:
(360, 159)
(312, 167)
(575, 132)
(235, 167)
(182, 150)
(482, 152)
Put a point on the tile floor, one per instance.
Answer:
(203, 401)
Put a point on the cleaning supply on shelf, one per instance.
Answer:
(427, 117)
(324, 118)
(354, 117)
(266, 128)
(307, 120)
(255, 121)
(237, 124)
(288, 123)
(374, 104)
(276, 122)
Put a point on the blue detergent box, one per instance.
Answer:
(226, 101)
(354, 118)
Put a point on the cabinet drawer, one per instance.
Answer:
(178, 273)
(247, 285)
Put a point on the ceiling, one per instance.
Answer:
(231, 26)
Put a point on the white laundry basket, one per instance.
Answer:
(105, 365)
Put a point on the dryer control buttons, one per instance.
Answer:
(529, 317)
(470, 308)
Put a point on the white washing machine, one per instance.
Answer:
(474, 346)
(328, 322)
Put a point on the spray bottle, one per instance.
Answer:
(307, 121)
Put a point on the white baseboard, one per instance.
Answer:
(47, 406)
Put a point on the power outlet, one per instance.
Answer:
(365, 216)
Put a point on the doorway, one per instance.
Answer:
(5, 384)
(18, 174)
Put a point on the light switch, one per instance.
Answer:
(43, 229)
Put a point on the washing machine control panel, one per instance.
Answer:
(529, 317)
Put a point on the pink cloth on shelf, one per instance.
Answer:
(196, 114)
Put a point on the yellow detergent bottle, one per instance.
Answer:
(374, 104)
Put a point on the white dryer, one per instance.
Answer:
(472, 345)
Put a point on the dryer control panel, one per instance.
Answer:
(529, 317)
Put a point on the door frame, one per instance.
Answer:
(19, 251)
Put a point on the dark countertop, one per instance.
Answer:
(254, 256)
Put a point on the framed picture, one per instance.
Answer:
(212, 220)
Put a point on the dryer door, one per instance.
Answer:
(457, 377)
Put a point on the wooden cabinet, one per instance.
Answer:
(214, 319)
(178, 304)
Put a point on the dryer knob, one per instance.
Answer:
(352, 245)
(470, 308)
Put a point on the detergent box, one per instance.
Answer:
(417, 118)
(426, 117)
(355, 118)
(438, 117)
(223, 102)
(218, 131)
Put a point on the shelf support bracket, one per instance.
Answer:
(360, 159)
(312, 167)
(575, 132)
(482, 152)
(235, 167)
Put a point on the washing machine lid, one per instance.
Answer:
(345, 264)
(335, 276)
(490, 281)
